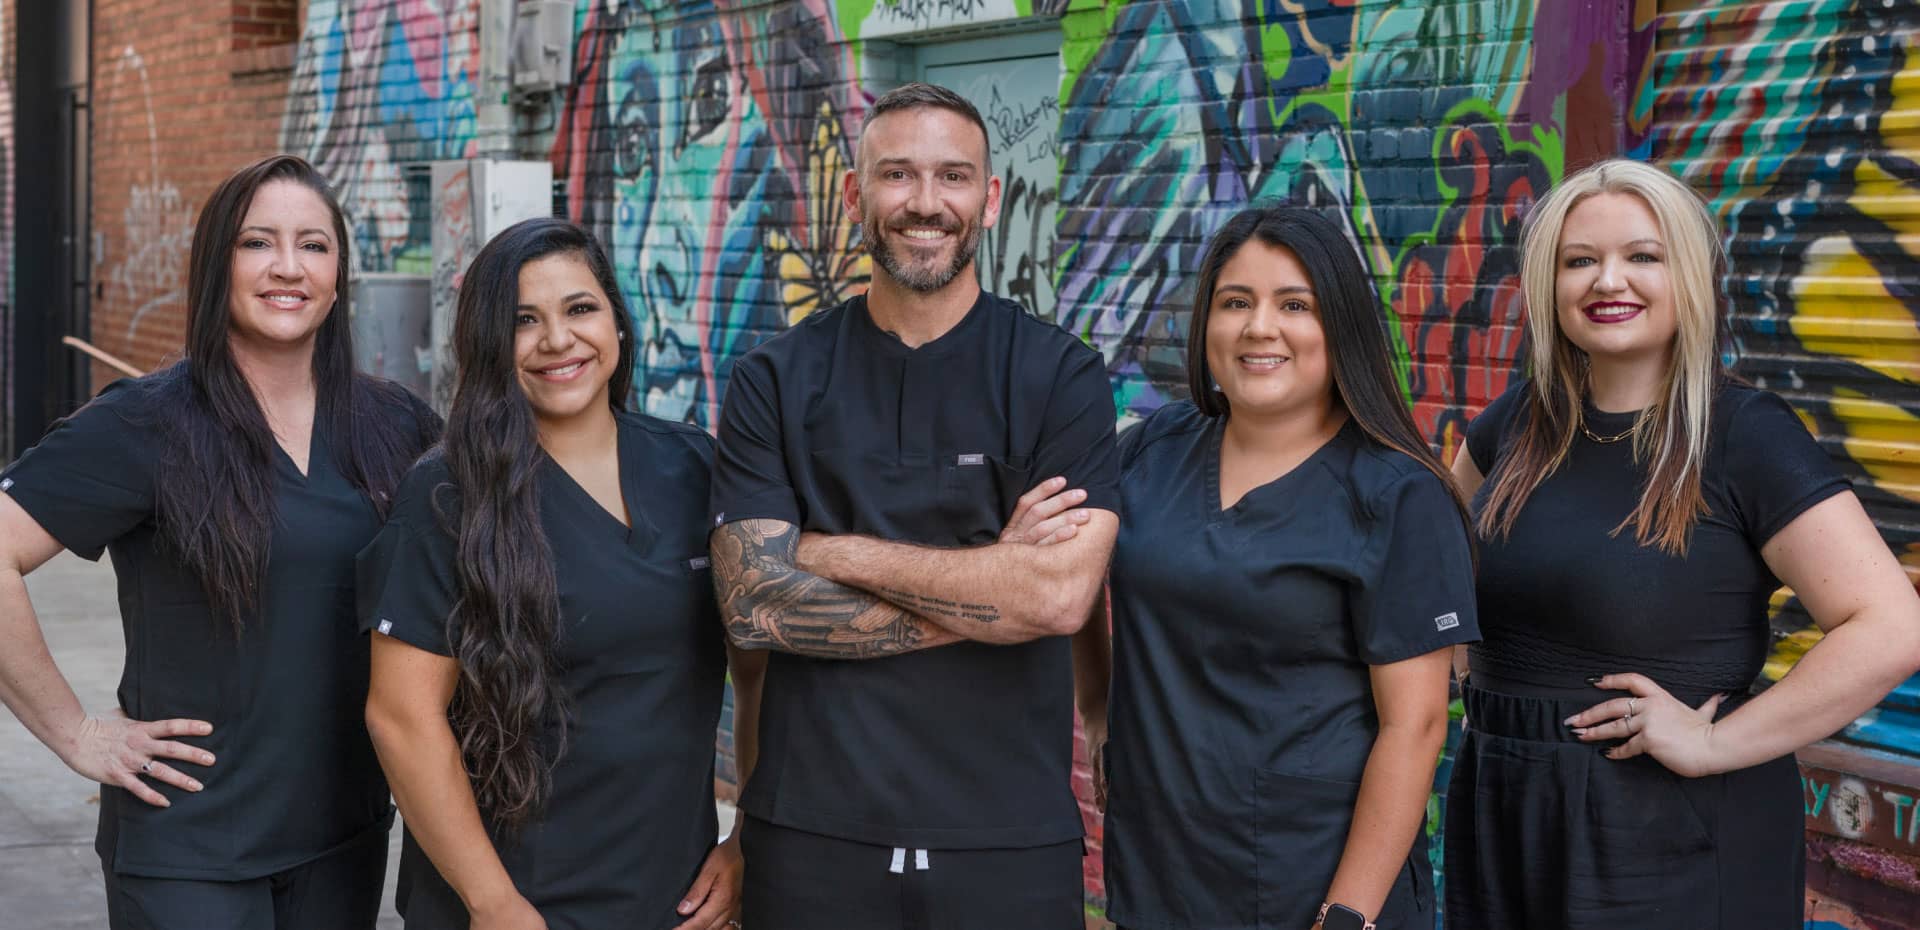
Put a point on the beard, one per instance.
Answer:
(930, 274)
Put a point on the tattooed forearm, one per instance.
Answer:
(766, 603)
(978, 613)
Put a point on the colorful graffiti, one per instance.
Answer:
(705, 148)
(378, 85)
(1797, 123)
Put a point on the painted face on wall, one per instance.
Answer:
(922, 194)
(1266, 347)
(1612, 294)
(283, 279)
(681, 123)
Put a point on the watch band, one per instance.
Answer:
(1350, 914)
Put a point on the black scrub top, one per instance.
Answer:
(630, 817)
(295, 774)
(836, 426)
(1551, 590)
(1242, 712)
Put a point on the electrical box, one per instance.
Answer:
(473, 201)
(393, 328)
(542, 45)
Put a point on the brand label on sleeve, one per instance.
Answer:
(972, 458)
(1446, 621)
(386, 627)
(697, 564)
(5, 483)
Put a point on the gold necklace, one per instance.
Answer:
(1596, 437)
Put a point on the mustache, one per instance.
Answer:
(910, 220)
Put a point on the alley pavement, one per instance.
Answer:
(49, 875)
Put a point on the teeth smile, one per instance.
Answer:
(924, 233)
(563, 370)
(286, 299)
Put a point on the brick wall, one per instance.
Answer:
(184, 93)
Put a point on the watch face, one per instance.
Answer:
(1341, 917)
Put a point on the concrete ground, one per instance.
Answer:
(49, 875)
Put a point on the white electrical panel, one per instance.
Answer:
(542, 45)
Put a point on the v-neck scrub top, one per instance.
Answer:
(630, 817)
(838, 427)
(295, 774)
(1242, 710)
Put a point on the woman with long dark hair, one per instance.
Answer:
(547, 669)
(239, 789)
(1639, 507)
(1292, 572)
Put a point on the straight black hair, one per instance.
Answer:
(505, 627)
(1350, 314)
(215, 497)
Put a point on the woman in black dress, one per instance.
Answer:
(239, 789)
(1292, 572)
(547, 672)
(1638, 510)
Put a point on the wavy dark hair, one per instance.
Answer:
(509, 709)
(1356, 328)
(215, 494)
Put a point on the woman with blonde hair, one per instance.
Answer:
(1638, 508)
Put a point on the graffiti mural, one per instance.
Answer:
(705, 147)
(1797, 127)
(156, 226)
(379, 85)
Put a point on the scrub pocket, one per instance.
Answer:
(978, 492)
(1300, 829)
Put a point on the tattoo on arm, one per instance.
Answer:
(978, 613)
(766, 603)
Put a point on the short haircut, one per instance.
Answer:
(921, 96)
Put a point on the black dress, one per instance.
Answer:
(296, 776)
(1544, 831)
(630, 817)
(1242, 712)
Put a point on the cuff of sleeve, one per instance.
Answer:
(433, 641)
(1458, 636)
(768, 505)
(1791, 512)
(46, 512)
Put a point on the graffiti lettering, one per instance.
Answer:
(924, 13)
(1014, 122)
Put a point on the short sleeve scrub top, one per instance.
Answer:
(1242, 709)
(630, 816)
(296, 778)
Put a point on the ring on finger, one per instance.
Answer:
(146, 768)
(1631, 706)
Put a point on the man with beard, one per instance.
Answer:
(917, 726)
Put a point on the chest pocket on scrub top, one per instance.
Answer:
(978, 491)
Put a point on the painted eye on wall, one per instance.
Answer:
(634, 135)
(708, 104)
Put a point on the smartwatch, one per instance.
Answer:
(1341, 917)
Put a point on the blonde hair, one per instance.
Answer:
(1671, 435)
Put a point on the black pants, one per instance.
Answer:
(1542, 831)
(804, 881)
(338, 891)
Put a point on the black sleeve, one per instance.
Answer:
(405, 578)
(1414, 590)
(750, 467)
(1077, 436)
(1488, 431)
(1775, 470)
(91, 478)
